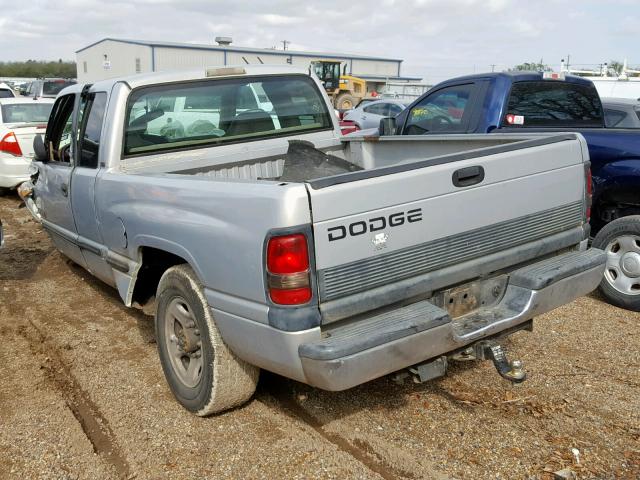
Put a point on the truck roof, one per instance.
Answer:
(516, 76)
(218, 71)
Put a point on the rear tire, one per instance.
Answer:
(620, 239)
(345, 101)
(203, 374)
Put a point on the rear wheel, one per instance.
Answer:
(620, 240)
(345, 101)
(203, 374)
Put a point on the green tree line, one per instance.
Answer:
(38, 68)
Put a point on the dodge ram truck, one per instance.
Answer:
(552, 102)
(225, 202)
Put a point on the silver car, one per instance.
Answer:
(369, 114)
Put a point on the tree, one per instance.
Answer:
(40, 68)
(615, 67)
(532, 66)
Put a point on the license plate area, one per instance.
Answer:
(470, 297)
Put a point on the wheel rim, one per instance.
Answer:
(182, 341)
(623, 264)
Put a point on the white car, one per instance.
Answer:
(6, 91)
(368, 115)
(20, 120)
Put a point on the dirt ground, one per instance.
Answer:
(82, 396)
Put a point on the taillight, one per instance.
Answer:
(348, 126)
(9, 144)
(588, 193)
(288, 270)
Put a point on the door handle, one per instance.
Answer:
(465, 177)
(65, 189)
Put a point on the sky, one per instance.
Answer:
(437, 39)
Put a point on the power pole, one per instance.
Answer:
(284, 44)
(493, 67)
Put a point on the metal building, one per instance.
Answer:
(111, 57)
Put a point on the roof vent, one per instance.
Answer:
(224, 41)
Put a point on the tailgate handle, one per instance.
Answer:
(465, 177)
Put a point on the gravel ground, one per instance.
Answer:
(82, 396)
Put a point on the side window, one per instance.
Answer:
(394, 109)
(59, 132)
(613, 118)
(377, 109)
(92, 119)
(442, 111)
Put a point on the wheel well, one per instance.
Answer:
(154, 263)
(614, 204)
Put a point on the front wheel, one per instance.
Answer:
(620, 240)
(345, 101)
(203, 374)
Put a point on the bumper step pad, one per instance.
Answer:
(375, 330)
(551, 270)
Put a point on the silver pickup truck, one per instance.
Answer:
(225, 202)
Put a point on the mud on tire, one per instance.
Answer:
(186, 332)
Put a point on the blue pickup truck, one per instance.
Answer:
(535, 101)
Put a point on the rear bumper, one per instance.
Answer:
(13, 170)
(354, 357)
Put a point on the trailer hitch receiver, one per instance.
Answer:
(511, 370)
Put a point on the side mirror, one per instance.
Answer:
(39, 150)
(387, 126)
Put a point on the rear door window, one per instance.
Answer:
(444, 111)
(90, 130)
(553, 104)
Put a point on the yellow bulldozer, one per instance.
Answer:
(344, 90)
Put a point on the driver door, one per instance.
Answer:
(53, 185)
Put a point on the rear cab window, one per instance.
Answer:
(214, 112)
(54, 87)
(549, 103)
(26, 112)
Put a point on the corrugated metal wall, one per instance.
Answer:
(128, 59)
(186, 59)
(121, 60)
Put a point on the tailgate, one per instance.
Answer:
(25, 134)
(377, 227)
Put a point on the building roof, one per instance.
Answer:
(156, 78)
(231, 48)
